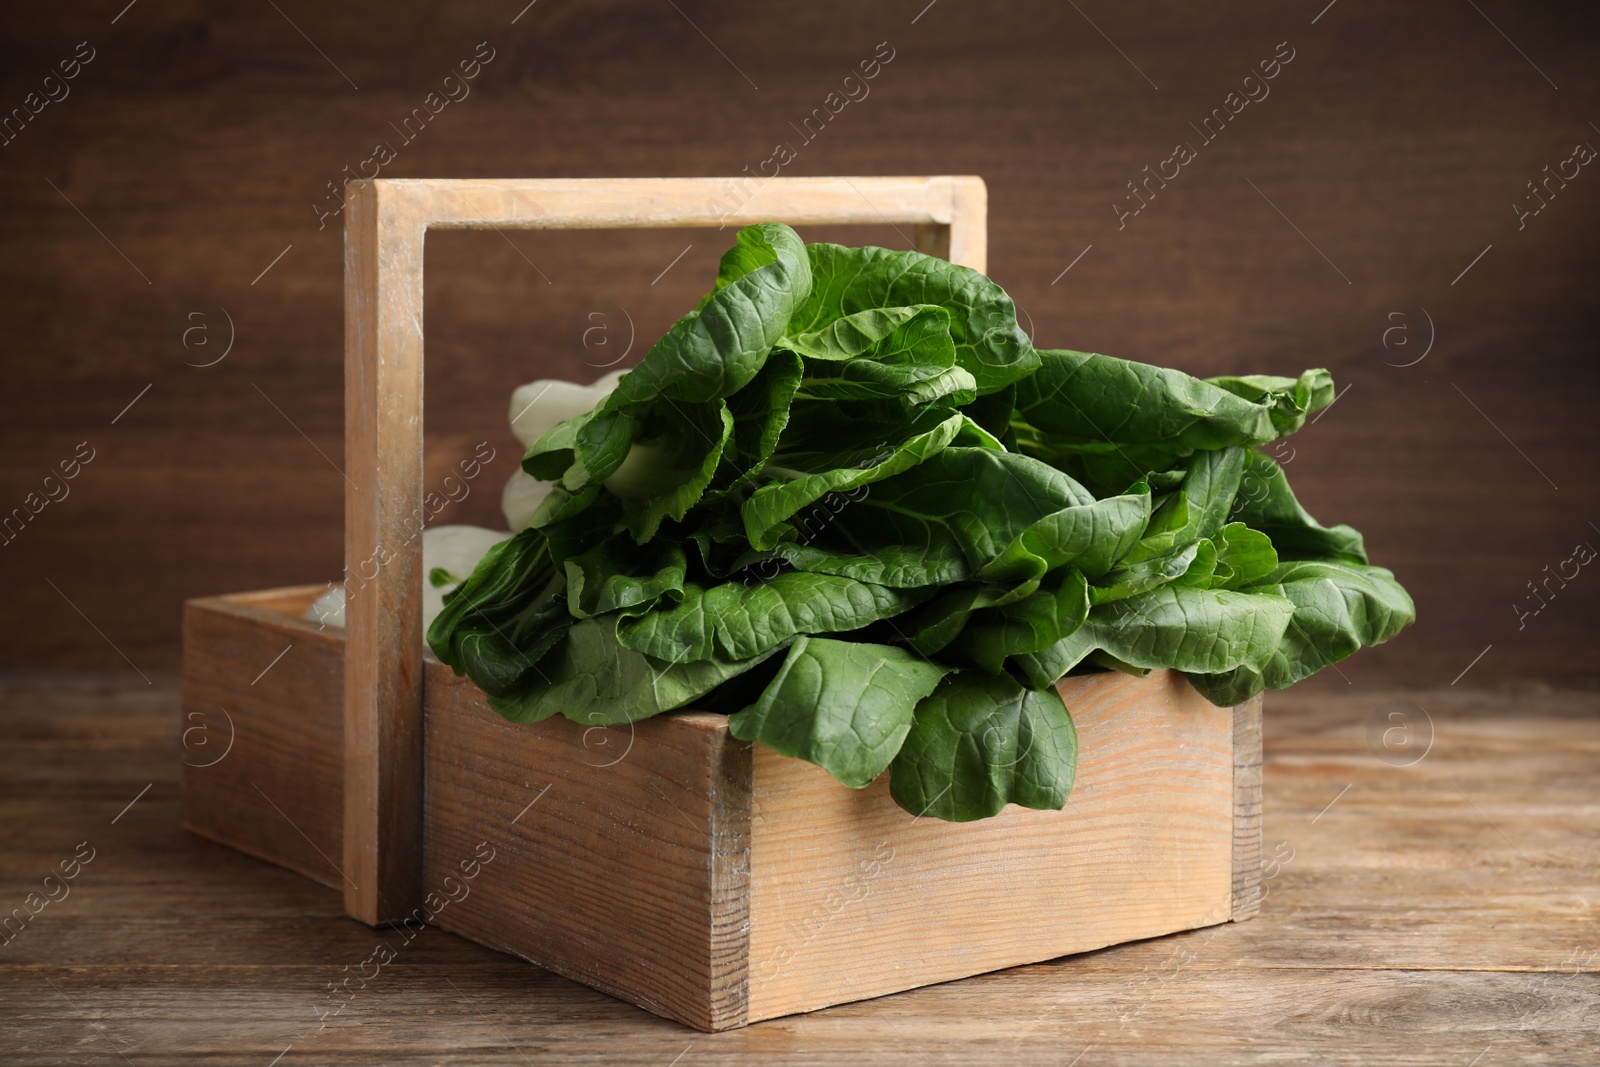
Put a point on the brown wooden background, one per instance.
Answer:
(200, 136)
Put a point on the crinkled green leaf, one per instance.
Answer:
(980, 742)
(598, 581)
(1266, 503)
(682, 488)
(844, 705)
(1132, 579)
(1244, 556)
(848, 546)
(713, 352)
(940, 621)
(1205, 631)
(760, 412)
(801, 479)
(885, 353)
(1091, 537)
(868, 331)
(592, 679)
(503, 619)
(1112, 421)
(1288, 400)
(1081, 397)
(1338, 608)
(945, 519)
(736, 621)
(989, 344)
(1030, 624)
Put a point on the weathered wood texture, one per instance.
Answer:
(383, 522)
(202, 138)
(614, 847)
(717, 883)
(263, 729)
(386, 227)
(1434, 913)
(851, 897)
(1247, 810)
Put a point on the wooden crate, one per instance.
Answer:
(710, 880)
(705, 879)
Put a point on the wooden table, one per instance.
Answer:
(1438, 910)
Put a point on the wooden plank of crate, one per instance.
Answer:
(262, 733)
(1247, 809)
(853, 898)
(618, 853)
(385, 225)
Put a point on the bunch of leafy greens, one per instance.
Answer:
(847, 501)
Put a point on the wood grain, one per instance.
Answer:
(1247, 810)
(383, 523)
(851, 897)
(262, 730)
(1403, 930)
(614, 848)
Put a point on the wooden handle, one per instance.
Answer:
(385, 222)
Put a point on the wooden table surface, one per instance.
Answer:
(1426, 903)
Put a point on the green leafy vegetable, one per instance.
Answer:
(980, 743)
(844, 705)
(845, 499)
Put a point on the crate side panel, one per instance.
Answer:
(604, 848)
(1247, 809)
(851, 897)
(263, 738)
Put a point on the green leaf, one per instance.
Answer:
(1266, 503)
(1205, 631)
(885, 353)
(980, 742)
(1030, 624)
(715, 351)
(506, 616)
(1132, 579)
(842, 705)
(738, 621)
(760, 412)
(989, 345)
(676, 487)
(590, 678)
(1288, 400)
(993, 412)
(1338, 608)
(947, 518)
(1080, 397)
(598, 581)
(1197, 508)
(582, 450)
(806, 478)
(850, 547)
(562, 505)
(865, 332)
(940, 621)
(1113, 421)
(1090, 537)
(1244, 556)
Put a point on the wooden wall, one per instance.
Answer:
(184, 169)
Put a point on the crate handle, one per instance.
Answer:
(385, 224)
